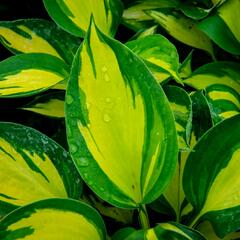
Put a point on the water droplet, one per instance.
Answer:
(69, 99)
(73, 148)
(108, 100)
(107, 78)
(104, 69)
(90, 182)
(82, 162)
(88, 105)
(102, 189)
(85, 175)
(65, 154)
(106, 118)
(157, 133)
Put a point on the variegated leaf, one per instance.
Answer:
(159, 54)
(223, 73)
(50, 104)
(212, 193)
(119, 123)
(182, 28)
(30, 73)
(33, 167)
(135, 17)
(222, 27)
(38, 36)
(181, 106)
(53, 219)
(74, 15)
(163, 231)
(223, 100)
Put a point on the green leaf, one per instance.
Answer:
(222, 27)
(50, 104)
(185, 70)
(206, 229)
(74, 15)
(163, 231)
(224, 73)
(135, 17)
(38, 36)
(33, 167)
(30, 73)
(121, 130)
(159, 54)
(215, 194)
(181, 106)
(223, 100)
(199, 122)
(53, 219)
(182, 28)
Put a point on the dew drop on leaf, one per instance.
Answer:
(106, 118)
(73, 148)
(82, 162)
(69, 99)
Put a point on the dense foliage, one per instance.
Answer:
(120, 120)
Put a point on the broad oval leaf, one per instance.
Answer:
(53, 219)
(120, 127)
(50, 104)
(38, 36)
(222, 27)
(182, 28)
(159, 54)
(223, 100)
(224, 73)
(163, 231)
(74, 15)
(215, 194)
(33, 167)
(30, 73)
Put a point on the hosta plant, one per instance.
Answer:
(107, 138)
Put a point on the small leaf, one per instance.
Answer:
(74, 15)
(51, 105)
(53, 219)
(181, 106)
(121, 133)
(30, 73)
(182, 28)
(212, 193)
(135, 17)
(38, 36)
(159, 54)
(223, 100)
(224, 73)
(33, 167)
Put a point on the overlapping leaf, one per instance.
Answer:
(182, 28)
(74, 15)
(53, 219)
(160, 55)
(215, 194)
(223, 28)
(31, 73)
(51, 105)
(164, 231)
(120, 127)
(135, 15)
(33, 167)
(38, 36)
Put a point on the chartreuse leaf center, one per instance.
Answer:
(121, 129)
